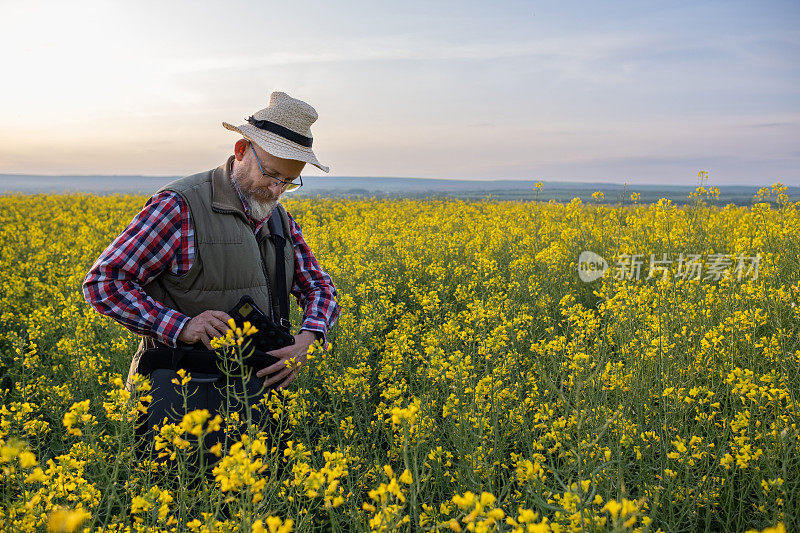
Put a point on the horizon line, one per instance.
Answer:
(543, 180)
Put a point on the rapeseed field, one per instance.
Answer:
(474, 382)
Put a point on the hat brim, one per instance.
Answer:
(276, 145)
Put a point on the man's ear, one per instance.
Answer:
(239, 148)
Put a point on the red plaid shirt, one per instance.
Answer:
(161, 237)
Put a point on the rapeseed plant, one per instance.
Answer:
(473, 382)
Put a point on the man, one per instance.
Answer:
(204, 241)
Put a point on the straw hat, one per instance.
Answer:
(283, 129)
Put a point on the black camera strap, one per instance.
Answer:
(278, 239)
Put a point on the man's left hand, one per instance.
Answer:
(292, 358)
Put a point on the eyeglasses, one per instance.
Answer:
(286, 186)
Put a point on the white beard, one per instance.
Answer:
(259, 209)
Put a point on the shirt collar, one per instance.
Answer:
(245, 203)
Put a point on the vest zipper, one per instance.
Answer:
(259, 239)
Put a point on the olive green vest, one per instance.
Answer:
(229, 261)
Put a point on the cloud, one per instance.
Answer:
(773, 125)
(583, 48)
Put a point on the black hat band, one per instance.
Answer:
(284, 132)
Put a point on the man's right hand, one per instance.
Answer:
(204, 327)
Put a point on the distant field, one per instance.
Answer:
(337, 187)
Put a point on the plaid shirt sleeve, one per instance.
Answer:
(160, 237)
(312, 287)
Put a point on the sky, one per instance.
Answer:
(643, 92)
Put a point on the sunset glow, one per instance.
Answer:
(613, 92)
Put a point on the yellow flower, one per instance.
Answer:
(779, 528)
(66, 520)
(407, 415)
(27, 459)
(184, 376)
(613, 507)
(78, 414)
(273, 525)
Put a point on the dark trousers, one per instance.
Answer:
(204, 391)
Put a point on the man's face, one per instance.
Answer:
(261, 191)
